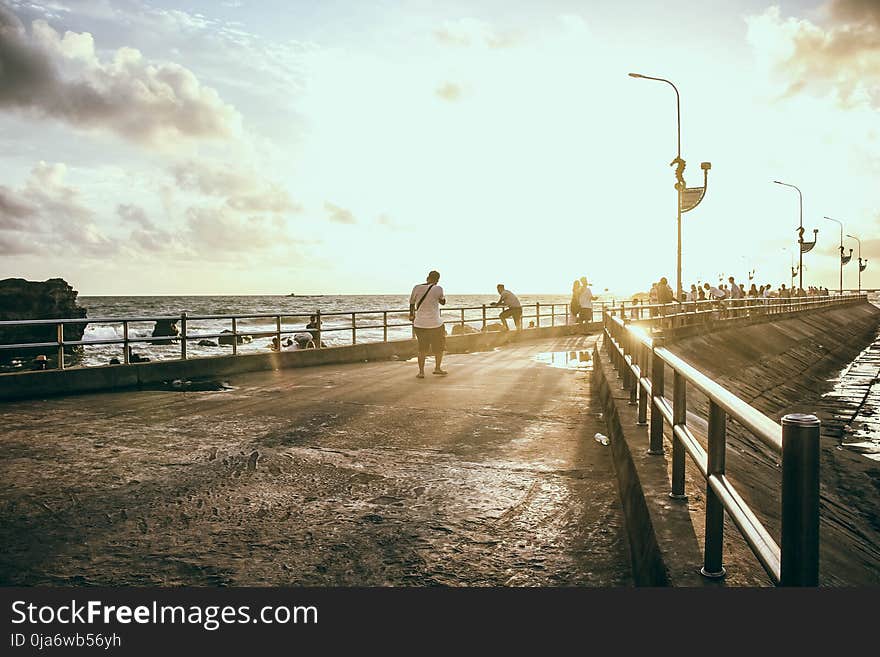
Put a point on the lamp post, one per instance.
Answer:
(861, 266)
(804, 247)
(843, 259)
(688, 197)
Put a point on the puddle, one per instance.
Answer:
(568, 360)
(187, 385)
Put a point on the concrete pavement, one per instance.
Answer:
(356, 474)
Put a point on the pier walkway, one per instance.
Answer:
(354, 474)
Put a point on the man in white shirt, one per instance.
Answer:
(513, 308)
(424, 313)
(713, 292)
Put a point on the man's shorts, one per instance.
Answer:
(431, 340)
(515, 313)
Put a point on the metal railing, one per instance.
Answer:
(686, 313)
(641, 362)
(537, 315)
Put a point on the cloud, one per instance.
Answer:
(47, 216)
(338, 215)
(62, 77)
(841, 59)
(145, 236)
(220, 230)
(468, 32)
(449, 91)
(243, 190)
(387, 222)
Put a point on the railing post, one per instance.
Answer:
(278, 330)
(643, 393)
(484, 316)
(714, 538)
(567, 320)
(353, 328)
(552, 314)
(60, 336)
(462, 317)
(657, 387)
(318, 322)
(633, 345)
(679, 417)
(125, 354)
(183, 336)
(234, 336)
(384, 326)
(799, 558)
(537, 314)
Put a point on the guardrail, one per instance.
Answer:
(641, 362)
(548, 314)
(690, 312)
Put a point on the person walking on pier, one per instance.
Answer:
(513, 308)
(424, 313)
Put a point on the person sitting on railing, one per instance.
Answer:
(513, 308)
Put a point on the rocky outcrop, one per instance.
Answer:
(229, 339)
(165, 328)
(51, 299)
(463, 329)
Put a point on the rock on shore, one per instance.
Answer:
(51, 299)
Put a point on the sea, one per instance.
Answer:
(294, 311)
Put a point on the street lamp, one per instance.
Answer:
(843, 258)
(688, 197)
(805, 247)
(861, 266)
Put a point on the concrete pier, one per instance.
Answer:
(345, 474)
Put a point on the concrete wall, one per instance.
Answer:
(23, 385)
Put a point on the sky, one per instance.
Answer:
(329, 147)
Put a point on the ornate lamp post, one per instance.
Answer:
(688, 197)
(843, 258)
(861, 266)
(805, 247)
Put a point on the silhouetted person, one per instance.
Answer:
(664, 292)
(575, 304)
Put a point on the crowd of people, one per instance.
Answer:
(662, 293)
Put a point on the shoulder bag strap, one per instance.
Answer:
(424, 295)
